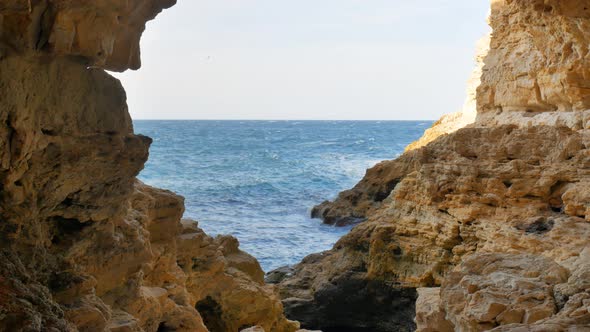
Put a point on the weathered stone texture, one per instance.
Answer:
(492, 218)
(85, 246)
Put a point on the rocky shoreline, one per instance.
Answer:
(481, 225)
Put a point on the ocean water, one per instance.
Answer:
(258, 180)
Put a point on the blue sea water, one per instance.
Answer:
(258, 180)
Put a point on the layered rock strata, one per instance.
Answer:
(84, 245)
(486, 227)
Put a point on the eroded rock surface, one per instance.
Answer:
(492, 218)
(102, 33)
(85, 246)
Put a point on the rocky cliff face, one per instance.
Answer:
(485, 227)
(84, 245)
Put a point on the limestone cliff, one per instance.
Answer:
(85, 246)
(493, 218)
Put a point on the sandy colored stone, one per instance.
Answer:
(103, 33)
(91, 247)
(487, 290)
(430, 316)
(260, 329)
(85, 246)
(477, 190)
(495, 213)
(537, 60)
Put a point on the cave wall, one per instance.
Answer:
(84, 245)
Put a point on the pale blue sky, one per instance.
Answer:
(306, 59)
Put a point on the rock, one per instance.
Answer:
(260, 329)
(228, 285)
(430, 316)
(356, 204)
(487, 290)
(472, 191)
(536, 59)
(495, 213)
(575, 316)
(84, 245)
(342, 303)
(277, 275)
(253, 329)
(477, 190)
(99, 33)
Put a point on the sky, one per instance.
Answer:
(306, 59)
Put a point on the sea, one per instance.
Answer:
(258, 180)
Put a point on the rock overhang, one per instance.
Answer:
(103, 33)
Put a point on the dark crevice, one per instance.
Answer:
(212, 315)
(558, 187)
(60, 281)
(48, 132)
(45, 25)
(555, 201)
(445, 212)
(66, 229)
(539, 226)
(351, 303)
(385, 192)
(344, 329)
(165, 328)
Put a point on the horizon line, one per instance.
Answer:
(414, 120)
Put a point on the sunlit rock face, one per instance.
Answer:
(537, 60)
(85, 246)
(490, 222)
(103, 33)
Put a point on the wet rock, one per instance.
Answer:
(341, 305)
(277, 275)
